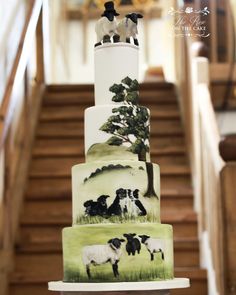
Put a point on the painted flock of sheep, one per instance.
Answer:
(112, 251)
(108, 28)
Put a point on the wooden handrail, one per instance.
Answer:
(207, 114)
(9, 102)
(18, 118)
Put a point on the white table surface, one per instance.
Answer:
(119, 286)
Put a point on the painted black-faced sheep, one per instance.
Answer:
(101, 254)
(127, 27)
(96, 208)
(116, 208)
(133, 244)
(153, 246)
(106, 26)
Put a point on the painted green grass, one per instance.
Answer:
(108, 152)
(131, 268)
(116, 219)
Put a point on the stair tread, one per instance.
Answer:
(20, 278)
(54, 88)
(71, 147)
(61, 167)
(58, 113)
(62, 190)
(56, 247)
(60, 212)
(75, 128)
(54, 150)
(62, 187)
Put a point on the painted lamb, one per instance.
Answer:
(153, 246)
(127, 27)
(133, 244)
(100, 254)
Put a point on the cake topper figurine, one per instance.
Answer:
(106, 26)
(127, 28)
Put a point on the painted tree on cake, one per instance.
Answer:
(129, 124)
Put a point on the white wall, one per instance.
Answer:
(12, 17)
(67, 65)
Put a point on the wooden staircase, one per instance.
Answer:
(47, 207)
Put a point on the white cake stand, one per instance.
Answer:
(157, 287)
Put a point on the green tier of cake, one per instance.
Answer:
(124, 252)
(116, 192)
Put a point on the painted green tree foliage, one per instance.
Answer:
(130, 124)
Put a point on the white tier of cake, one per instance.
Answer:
(106, 178)
(96, 147)
(113, 62)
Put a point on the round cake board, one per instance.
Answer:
(160, 287)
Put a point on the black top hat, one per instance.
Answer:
(109, 7)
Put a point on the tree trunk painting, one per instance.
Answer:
(142, 155)
(150, 177)
(150, 187)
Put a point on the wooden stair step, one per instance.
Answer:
(86, 97)
(75, 129)
(20, 285)
(60, 130)
(61, 167)
(41, 239)
(175, 181)
(81, 87)
(51, 233)
(179, 202)
(183, 257)
(58, 147)
(57, 188)
(74, 114)
(42, 187)
(162, 160)
(44, 216)
(60, 210)
(52, 273)
(42, 247)
(72, 147)
(168, 143)
(68, 113)
(65, 113)
(149, 99)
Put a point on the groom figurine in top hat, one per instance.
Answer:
(106, 26)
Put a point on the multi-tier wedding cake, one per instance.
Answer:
(117, 235)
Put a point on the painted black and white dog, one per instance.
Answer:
(134, 205)
(127, 202)
(116, 207)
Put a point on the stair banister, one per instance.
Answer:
(206, 178)
(213, 179)
(18, 113)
